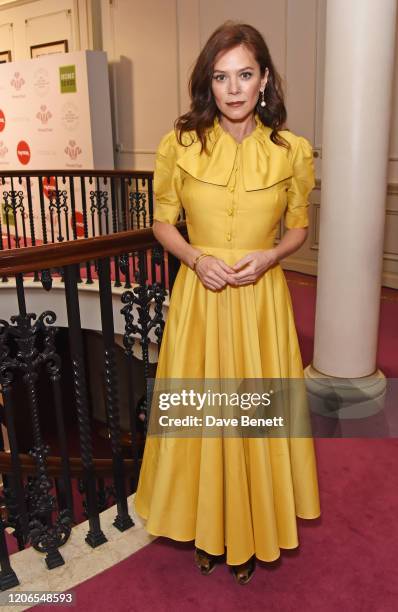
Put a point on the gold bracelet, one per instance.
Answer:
(200, 256)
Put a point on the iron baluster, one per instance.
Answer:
(65, 207)
(115, 229)
(95, 536)
(141, 297)
(45, 536)
(92, 208)
(14, 201)
(106, 208)
(73, 211)
(150, 200)
(53, 364)
(73, 206)
(137, 207)
(31, 220)
(58, 205)
(8, 577)
(123, 520)
(89, 279)
(157, 263)
(23, 215)
(124, 264)
(99, 205)
(4, 279)
(42, 208)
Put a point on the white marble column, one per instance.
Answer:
(360, 39)
(360, 43)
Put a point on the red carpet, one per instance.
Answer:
(303, 291)
(346, 560)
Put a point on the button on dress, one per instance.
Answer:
(240, 493)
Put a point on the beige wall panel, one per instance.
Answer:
(45, 21)
(268, 16)
(142, 47)
(188, 46)
(7, 38)
(319, 75)
(301, 70)
(55, 25)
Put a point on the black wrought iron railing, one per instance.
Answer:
(62, 205)
(36, 504)
(37, 208)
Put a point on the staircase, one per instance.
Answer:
(107, 297)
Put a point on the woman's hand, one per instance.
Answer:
(213, 272)
(248, 269)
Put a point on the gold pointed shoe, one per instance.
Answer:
(245, 572)
(205, 562)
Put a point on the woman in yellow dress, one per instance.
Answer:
(236, 172)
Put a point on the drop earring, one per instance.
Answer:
(263, 102)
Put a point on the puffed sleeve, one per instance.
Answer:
(167, 181)
(303, 181)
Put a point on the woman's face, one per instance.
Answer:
(236, 83)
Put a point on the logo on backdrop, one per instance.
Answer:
(72, 150)
(49, 186)
(23, 152)
(17, 82)
(41, 82)
(67, 77)
(2, 121)
(79, 224)
(44, 115)
(70, 116)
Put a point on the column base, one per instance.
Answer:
(345, 398)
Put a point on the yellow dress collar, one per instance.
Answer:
(263, 162)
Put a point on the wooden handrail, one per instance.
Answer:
(103, 467)
(56, 255)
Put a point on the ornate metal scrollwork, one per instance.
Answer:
(158, 255)
(124, 263)
(99, 205)
(14, 203)
(58, 204)
(28, 359)
(46, 279)
(138, 208)
(99, 201)
(140, 299)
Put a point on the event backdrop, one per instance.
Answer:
(54, 114)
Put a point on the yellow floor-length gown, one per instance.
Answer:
(241, 493)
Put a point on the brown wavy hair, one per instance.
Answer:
(203, 109)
